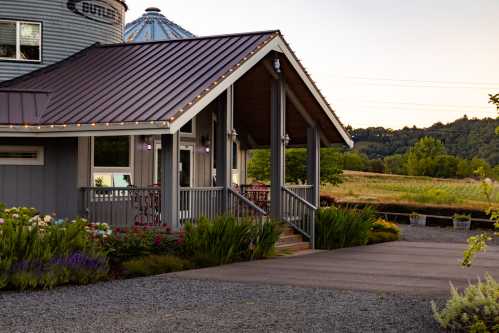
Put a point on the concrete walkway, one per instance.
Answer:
(416, 268)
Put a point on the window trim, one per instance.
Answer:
(18, 41)
(38, 161)
(128, 170)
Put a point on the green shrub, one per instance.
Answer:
(39, 252)
(131, 243)
(226, 239)
(383, 231)
(343, 227)
(475, 310)
(154, 265)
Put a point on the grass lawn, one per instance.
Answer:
(363, 187)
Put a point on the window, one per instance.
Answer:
(21, 155)
(188, 129)
(235, 162)
(112, 161)
(20, 41)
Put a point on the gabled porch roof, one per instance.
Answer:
(148, 88)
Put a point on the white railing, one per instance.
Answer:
(303, 191)
(299, 214)
(198, 202)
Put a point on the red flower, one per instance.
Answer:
(157, 240)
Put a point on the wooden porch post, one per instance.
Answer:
(225, 124)
(313, 165)
(170, 186)
(277, 142)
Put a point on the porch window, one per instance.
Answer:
(188, 129)
(21, 155)
(20, 41)
(112, 161)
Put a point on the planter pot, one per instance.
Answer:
(462, 225)
(418, 220)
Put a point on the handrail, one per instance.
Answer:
(247, 202)
(297, 197)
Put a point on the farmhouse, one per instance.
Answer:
(152, 132)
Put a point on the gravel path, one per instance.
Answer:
(165, 304)
(437, 234)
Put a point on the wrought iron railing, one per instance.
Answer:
(299, 214)
(241, 207)
(198, 202)
(122, 207)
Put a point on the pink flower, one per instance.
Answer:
(157, 240)
(2, 221)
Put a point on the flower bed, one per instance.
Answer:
(383, 231)
(41, 252)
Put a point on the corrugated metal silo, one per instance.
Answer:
(38, 33)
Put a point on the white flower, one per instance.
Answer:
(47, 219)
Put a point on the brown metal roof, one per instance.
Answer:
(22, 107)
(129, 83)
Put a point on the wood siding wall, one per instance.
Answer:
(51, 188)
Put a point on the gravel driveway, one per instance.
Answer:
(165, 304)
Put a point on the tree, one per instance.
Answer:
(421, 159)
(296, 166)
(395, 164)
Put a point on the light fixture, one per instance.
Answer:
(233, 134)
(206, 143)
(277, 65)
(286, 139)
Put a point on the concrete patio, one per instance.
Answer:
(416, 268)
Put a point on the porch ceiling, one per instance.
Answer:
(252, 108)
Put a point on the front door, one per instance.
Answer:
(186, 176)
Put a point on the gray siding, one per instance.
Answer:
(64, 32)
(51, 188)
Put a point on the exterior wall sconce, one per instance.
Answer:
(206, 143)
(286, 139)
(277, 65)
(233, 134)
(147, 142)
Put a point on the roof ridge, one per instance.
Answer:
(49, 68)
(193, 38)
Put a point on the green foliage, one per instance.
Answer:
(475, 310)
(383, 231)
(464, 138)
(343, 227)
(226, 239)
(296, 166)
(130, 243)
(421, 159)
(395, 164)
(38, 252)
(154, 265)
(432, 196)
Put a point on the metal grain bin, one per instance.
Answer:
(38, 33)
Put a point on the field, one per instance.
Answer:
(362, 187)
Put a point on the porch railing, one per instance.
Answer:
(242, 207)
(198, 202)
(122, 207)
(303, 191)
(298, 213)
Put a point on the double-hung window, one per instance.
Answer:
(112, 161)
(20, 41)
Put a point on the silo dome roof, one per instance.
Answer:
(154, 26)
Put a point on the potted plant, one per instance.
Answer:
(417, 219)
(461, 222)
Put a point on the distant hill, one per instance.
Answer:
(466, 138)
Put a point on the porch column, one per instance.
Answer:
(313, 164)
(277, 142)
(225, 126)
(170, 186)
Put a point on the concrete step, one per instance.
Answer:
(289, 249)
(289, 239)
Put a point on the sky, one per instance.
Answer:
(388, 63)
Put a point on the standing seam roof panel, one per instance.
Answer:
(127, 83)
